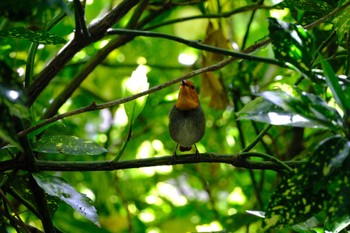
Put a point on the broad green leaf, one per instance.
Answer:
(292, 45)
(291, 107)
(41, 37)
(333, 84)
(69, 145)
(263, 110)
(322, 182)
(58, 187)
(135, 84)
(342, 23)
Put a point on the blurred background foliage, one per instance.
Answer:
(202, 197)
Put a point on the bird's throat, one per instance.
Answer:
(187, 100)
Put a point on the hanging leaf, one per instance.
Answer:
(41, 37)
(58, 187)
(69, 145)
(322, 181)
(212, 86)
(135, 84)
(292, 45)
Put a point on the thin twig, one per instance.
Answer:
(196, 44)
(93, 106)
(211, 16)
(18, 218)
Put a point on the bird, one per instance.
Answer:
(186, 118)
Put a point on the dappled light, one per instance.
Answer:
(174, 116)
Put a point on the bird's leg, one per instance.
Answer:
(197, 155)
(175, 155)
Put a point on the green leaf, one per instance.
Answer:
(58, 187)
(342, 23)
(21, 188)
(292, 45)
(333, 83)
(265, 111)
(306, 5)
(322, 181)
(69, 145)
(135, 84)
(293, 107)
(41, 37)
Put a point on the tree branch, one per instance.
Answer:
(97, 31)
(237, 160)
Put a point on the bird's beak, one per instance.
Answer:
(183, 83)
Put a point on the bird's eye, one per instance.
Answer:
(192, 87)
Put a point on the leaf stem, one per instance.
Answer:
(267, 157)
(257, 139)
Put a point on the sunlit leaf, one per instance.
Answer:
(135, 84)
(58, 187)
(294, 108)
(292, 45)
(306, 105)
(263, 110)
(41, 37)
(69, 145)
(333, 84)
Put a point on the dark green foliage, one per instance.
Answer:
(40, 37)
(322, 183)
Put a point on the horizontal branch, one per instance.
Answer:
(236, 160)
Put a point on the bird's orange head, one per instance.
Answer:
(188, 97)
